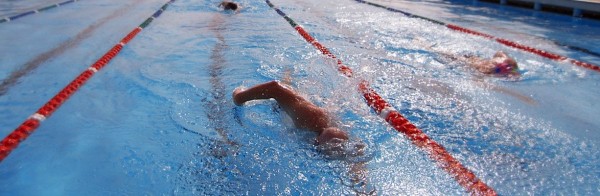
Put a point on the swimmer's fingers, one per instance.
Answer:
(287, 77)
(239, 89)
(234, 96)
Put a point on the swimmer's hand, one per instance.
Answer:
(236, 98)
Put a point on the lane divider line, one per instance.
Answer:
(539, 52)
(10, 142)
(437, 152)
(11, 18)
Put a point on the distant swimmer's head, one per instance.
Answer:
(229, 5)
(504, 64)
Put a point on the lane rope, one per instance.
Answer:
(11, 18)
(437, 152)
(10, 142)
(539, 52)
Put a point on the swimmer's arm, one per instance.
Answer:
(524, 98)
(444, 54)
(483, 69)
(481, 65)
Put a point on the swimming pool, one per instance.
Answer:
(158, 119)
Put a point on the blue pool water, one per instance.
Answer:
(159, 118)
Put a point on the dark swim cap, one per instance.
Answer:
(230, 6)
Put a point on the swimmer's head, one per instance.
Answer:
(504, 64)
(229, 5)
(500, 54)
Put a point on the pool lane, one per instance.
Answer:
(506, 42)
(489, 163)
(438, 153)
(10, 142)
(34, 63)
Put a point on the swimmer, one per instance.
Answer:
(305, 114)
(330, 140)
(500, 64)
(227, 5)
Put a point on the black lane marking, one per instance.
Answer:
(217, 106)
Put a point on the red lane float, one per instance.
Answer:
(21, 133)
(437, 152)
(469, 31)
(341, 67)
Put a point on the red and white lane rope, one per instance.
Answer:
(21, 133)
(437, 152)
